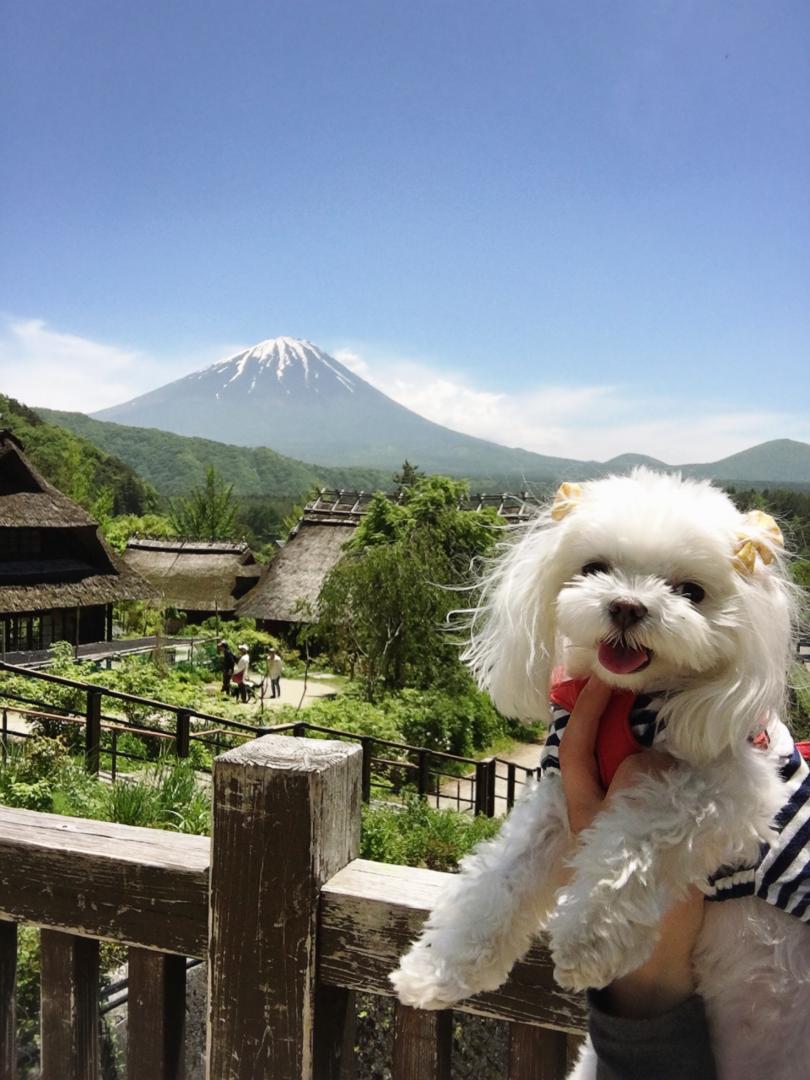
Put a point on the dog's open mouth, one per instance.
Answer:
(622, 659)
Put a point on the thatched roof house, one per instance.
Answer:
(58, 577)
(199, 577)
(288, 591)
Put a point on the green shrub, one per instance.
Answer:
(419, 835)
(344, 714)
(457, 723)
(167, 795)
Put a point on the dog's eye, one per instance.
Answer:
(691, 590)
(595, 568)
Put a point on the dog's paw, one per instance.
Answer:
(592, 952)
(425, 981)
(583, 964)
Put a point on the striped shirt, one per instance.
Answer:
(781, 875)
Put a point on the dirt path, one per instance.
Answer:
(460, 794)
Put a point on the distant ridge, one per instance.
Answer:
(288, 394)
(785, 460)
(173, 463)
(630, 461)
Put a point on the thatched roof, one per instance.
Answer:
(296, 574)
(53, 555)
(195, 575)
(289, 588)
(85, 592)
(348, 507)
(26, 497)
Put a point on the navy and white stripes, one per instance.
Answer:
(781, 875)
(644, 724)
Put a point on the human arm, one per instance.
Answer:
(666, 978)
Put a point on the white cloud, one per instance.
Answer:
(41, 366)
(583, 422)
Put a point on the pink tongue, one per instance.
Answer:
(620, 659)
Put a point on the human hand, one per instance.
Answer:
(666, 979)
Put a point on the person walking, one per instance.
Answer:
(275, 667)
(228, 664)
(240, 672)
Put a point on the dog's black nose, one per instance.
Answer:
(626, 613)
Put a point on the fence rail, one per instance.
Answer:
(290, 922)
(487, 786)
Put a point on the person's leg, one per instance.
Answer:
(672, 1045)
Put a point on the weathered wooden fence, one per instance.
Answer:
(290, 921)
(490, 786)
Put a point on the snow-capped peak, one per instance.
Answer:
(280, 358)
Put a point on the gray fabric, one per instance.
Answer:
(671, 1046)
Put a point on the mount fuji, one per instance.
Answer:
(288, 394)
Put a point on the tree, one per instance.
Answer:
(407, 477)
(209, 512)
(385, 606)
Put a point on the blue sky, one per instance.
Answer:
(581, 228)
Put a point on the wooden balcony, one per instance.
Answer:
(291, 923)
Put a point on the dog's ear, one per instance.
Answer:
(514, 624)
(566, 498)
(758, 536)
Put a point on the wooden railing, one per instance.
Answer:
(291, 923)
(490, 786)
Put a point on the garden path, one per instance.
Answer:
(458, 794)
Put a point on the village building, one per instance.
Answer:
(287, 593)
(58, 578)
(197, 578)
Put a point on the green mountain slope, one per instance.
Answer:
(783, 460)
(175, 463)
(76, 466)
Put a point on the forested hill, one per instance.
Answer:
(100, 482)
(174, 464)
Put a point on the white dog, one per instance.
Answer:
(661, 587)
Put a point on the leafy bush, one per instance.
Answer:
(455, 723)
(165, 796)
(30, 772)
(344, 714)
(418, 835)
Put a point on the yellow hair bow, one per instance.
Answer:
(565, 499)
(769, 536)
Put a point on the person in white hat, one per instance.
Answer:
(241, 670)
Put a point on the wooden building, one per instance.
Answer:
(287, 593)
(58, 577)
(199, 578)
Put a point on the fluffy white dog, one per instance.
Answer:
(663, 588)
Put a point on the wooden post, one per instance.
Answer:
(485, 787)
(8, 982)
(286, 819)
(182, 741)
(424, 773)
(156, 1015)
(510, 785)
(92, 731)
(422, 1044)
(367, 744)
(69, 1006)
(537, 1053)
(492, 779)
